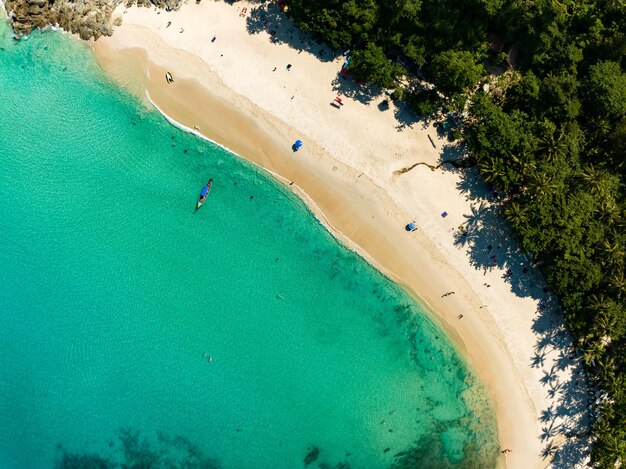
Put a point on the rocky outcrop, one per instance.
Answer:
(90, 19)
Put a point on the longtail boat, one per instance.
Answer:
(204, 194)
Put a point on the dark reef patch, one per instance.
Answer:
(132, 450)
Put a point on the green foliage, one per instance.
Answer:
(323, 19)
(398, 94)
(525, 93)
(606, 90)
(371, 64)
(558, 97)
(456, 72)
(500, 140)
(564, 173)
(424, 102)
(554, 141)
(340, 23)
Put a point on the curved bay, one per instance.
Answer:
(115, 294)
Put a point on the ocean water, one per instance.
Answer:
(136, 332)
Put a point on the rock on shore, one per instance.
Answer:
(87, 18)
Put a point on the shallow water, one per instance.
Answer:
(115, 296)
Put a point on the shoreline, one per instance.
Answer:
(367, 213)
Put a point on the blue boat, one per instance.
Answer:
(204, 193)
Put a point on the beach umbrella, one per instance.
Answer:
(297, 144)
(411, 226)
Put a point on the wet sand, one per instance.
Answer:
(345, 173)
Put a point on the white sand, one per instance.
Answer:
(345, 170)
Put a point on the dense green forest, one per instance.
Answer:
(550, 135)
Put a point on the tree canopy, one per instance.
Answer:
(606, 90)
(456, 72)
(371, 64)
(552, 138)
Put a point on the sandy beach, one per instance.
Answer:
(236, 90)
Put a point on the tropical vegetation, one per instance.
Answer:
(549, 133)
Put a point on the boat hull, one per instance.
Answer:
(206, 190)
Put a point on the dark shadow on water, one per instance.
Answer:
(132, 450)
(429, 453)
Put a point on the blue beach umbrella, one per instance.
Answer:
(411, 227)
(296, 146)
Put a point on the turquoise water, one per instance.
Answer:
(114, 294)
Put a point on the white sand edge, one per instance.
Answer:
(360, 140)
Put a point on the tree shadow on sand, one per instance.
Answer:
(406, 117)
(364, 93)
(267, 18)
(489, 243)
(488, 239)
(566, 423)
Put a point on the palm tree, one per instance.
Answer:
(592, 178)
(515, 214)
(614, 382)
(551, 147)
(522, 163)
(612, 253)
(492, 169)
(612, 447)
(593, 352)
(620, 219)
(617, 282)
(607, 211)
(606, 366)
(597, 302)
(604, 325)
(541, 184)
